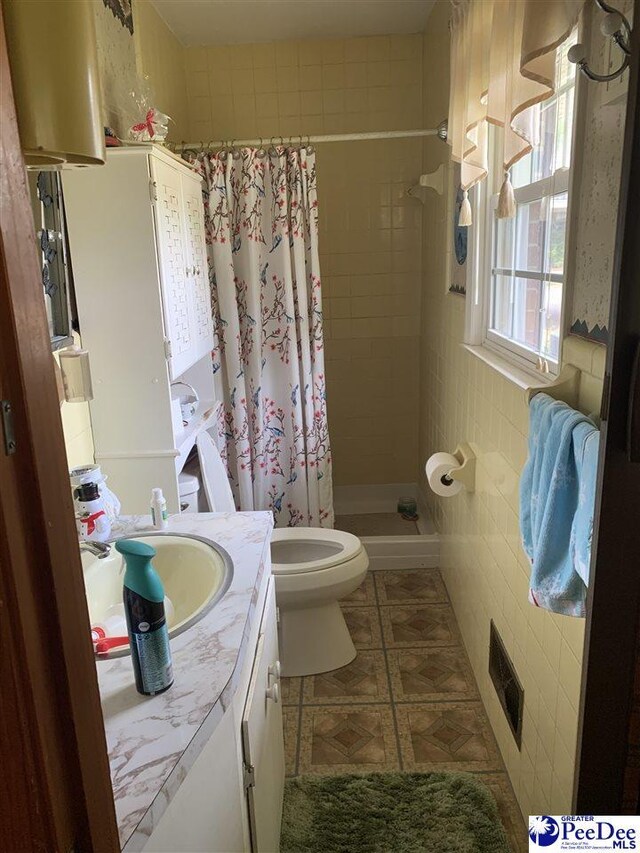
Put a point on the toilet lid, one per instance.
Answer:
(308, 549)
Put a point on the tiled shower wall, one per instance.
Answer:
(484, 567)
(370, 231)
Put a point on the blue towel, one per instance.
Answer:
(586, 445)
(557, 495)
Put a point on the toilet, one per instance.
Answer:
(313, 568)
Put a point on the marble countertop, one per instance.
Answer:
(153, 741)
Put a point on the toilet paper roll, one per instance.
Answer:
(437, 470)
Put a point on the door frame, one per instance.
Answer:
(607, 775)
(55, 788)
(56, 794)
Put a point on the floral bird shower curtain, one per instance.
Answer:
(261, 220)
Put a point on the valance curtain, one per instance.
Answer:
(503, 59)
(261, 223)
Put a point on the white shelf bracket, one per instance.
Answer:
(564, 387)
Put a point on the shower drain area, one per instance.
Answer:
(376, 524)
(506, 682)
(370, 512)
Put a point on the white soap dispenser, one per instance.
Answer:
(159, 515)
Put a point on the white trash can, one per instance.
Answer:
(188, 487)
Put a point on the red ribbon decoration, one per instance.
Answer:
(147, 124)
(90, 520)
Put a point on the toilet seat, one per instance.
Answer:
(300, 550)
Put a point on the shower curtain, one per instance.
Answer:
(261, 221)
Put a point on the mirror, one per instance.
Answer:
(53, 252)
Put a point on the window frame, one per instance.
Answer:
(478, 315)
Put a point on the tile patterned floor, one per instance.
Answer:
(408, 701)
(376, 524)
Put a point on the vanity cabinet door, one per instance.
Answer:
(262, 738)
(197, 265)
(174, 267)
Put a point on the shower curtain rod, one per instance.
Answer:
(440, 131)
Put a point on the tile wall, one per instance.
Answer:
(484, 567)
(370, 232)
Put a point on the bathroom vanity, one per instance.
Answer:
(201, 767)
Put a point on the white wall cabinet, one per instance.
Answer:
(138, 254)
(231, 799)
(179, 222)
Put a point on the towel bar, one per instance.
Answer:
(564, 387)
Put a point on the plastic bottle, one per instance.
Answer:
(92, 521)
(159, 515)
(143, 597)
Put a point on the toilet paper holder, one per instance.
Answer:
(466, 473)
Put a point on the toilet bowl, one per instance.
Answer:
(313, 569)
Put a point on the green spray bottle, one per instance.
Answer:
(143, 597)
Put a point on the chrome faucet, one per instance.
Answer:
(98, 549)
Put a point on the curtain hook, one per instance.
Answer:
(261, 152)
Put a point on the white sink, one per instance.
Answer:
(195, 573)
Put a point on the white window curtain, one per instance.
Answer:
(503, 60)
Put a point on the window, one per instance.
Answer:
(524, 262)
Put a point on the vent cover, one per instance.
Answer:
(506, 682)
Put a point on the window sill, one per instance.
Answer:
(521, 378)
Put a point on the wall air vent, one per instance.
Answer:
(507, 684)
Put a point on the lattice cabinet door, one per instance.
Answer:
(175, 274)
(201, 320)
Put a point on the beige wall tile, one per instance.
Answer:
(264, 55)
(367, 228)
(242, 81)
(310, 77)
(239, 56)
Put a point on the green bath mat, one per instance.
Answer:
(391, 813)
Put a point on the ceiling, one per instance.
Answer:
(202, 22)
